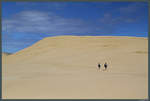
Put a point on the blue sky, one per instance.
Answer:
(24, 23)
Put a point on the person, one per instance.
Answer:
(105, 65)
(99, 65)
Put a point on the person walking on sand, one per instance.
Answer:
(99, 65)
(105, 65)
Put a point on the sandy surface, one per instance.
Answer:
(65, 67)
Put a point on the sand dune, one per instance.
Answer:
(6, 54)
(4, 57)
(65, 67)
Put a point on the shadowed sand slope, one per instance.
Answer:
(66, 67)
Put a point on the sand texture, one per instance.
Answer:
(65, 67)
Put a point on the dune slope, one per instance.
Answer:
(65, 67)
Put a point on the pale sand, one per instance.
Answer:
(65, 67)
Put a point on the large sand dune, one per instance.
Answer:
(65, 67)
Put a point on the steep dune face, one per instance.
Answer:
(66, 67)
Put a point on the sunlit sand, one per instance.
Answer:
(65, 67)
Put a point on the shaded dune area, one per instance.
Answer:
(65, 67)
